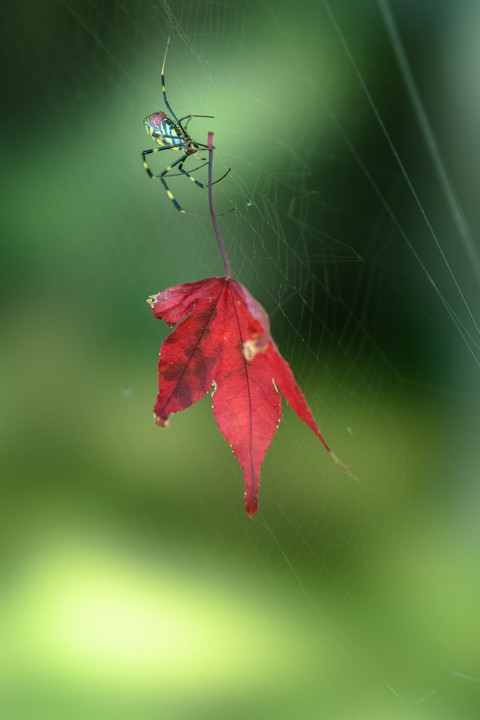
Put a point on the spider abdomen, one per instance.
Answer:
(164, 131)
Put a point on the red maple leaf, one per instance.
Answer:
(223, 340)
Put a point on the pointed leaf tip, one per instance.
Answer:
(251, 504)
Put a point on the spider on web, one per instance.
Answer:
(170, 134)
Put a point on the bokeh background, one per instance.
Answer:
(133, 586)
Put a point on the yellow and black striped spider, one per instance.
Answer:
(170, 134)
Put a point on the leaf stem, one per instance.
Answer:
(212, 211)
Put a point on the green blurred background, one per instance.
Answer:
(133, 586)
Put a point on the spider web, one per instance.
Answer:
(137, 587)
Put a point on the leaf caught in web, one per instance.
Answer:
(222, 340)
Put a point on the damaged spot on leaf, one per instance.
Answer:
(161, 423)
(251, 348)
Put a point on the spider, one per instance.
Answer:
(170, 134)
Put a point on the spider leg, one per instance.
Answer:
(170, 195)
(177, 174)
(189, 117)
(179, 162)
(155, 150)
(223, 176)
(179, 207)
(184, 172)
(164, 92)
(161, 177)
